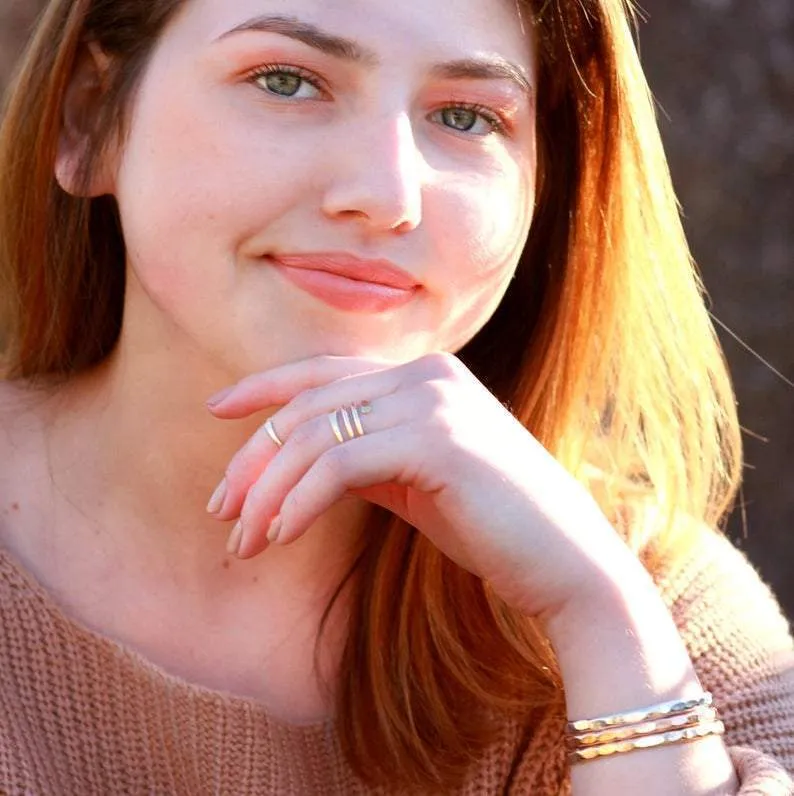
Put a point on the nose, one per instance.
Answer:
(378, 177)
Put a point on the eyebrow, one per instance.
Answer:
(491, 68)
(484, 68)
(336, 46)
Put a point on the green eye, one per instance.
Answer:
(461, 119)
(283, 83)
(288, 82)
(473, 119)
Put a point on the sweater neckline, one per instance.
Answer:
(25, 586)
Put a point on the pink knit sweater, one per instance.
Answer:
(82, 715)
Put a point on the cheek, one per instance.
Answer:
(199, 178)
(486, 222)
(500, 222)
(490, 212)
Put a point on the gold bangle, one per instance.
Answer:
(646, 742)
(660, 711)
(677, 722)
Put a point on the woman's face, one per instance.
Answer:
(327, 131)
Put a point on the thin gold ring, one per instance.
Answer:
(357, 420)
(271, 432)
(346, 420)
(335, 425)
(355, 410)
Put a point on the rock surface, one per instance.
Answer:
(723, 74)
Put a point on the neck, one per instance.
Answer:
(136, 450)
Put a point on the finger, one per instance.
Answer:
(278, 386)
(260, 502)
(373, 459)
(250, 461)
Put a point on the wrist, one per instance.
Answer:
(619, 651)
(618, 648)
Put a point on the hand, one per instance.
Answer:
(441, 452)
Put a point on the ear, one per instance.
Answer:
(81, 105)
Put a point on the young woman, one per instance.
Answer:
(408, 280)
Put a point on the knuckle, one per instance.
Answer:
(230, 476)
(435, 401)
(243, 461)
(324, 368)
(236, 468)
(443, 423)
(434, 394)
(253, 381)
(437, 408)
(442, 363)
(334, 463)
(289, 504)
(248, 511)
(303, 402)
(302, 436)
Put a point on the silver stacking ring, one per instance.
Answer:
(351, 421)
(271, 432)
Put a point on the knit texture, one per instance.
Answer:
(81, 714)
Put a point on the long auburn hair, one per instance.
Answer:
(602, 347)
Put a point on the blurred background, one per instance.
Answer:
(722, 72)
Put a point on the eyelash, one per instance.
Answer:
(270, 69)
(495, 120)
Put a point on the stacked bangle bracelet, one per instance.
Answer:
(658, 725)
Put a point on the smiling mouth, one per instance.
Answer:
(381, 272)
(343, 291)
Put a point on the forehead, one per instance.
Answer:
(410, 29)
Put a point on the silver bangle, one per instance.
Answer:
(646, 742)
(659, 711)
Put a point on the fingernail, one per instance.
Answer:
(220, 396)
(235, 538)
(274, 530)
(218, 496)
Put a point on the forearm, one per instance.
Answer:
(618, 650)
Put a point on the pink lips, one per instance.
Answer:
(347, 282)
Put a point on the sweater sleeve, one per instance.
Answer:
(742, 649)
